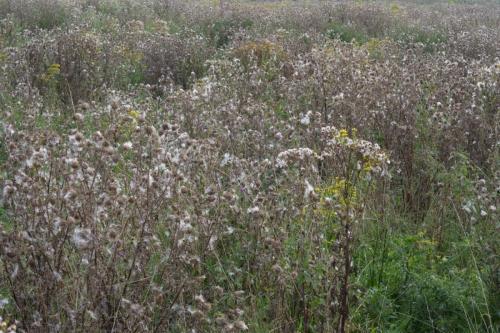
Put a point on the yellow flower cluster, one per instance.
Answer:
(395, 9)
(5, 327)
(367, 165)
(343, 133)
(134, 114)
(339, 193)
(52, 72)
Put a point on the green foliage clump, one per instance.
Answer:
(411, 284)
(221, 31)
(429, 38)
(346, 33)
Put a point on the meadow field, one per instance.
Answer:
(249, 166)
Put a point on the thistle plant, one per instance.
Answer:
(342, 206)
(169, 167)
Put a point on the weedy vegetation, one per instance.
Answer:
(197, 166)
